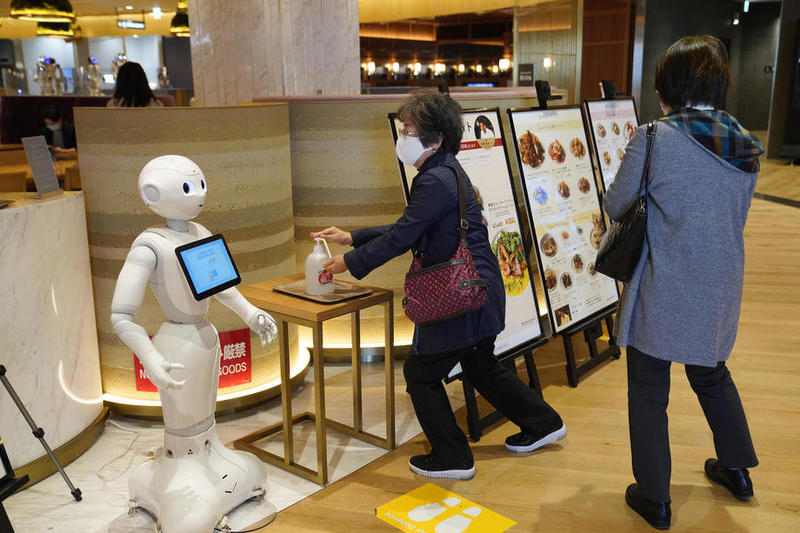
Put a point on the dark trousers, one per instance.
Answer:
(499, 385)
(648, 397)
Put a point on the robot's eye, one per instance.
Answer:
(188, 187)
(203, 183)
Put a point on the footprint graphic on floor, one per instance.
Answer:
(429, 511)
(455, 524)
(458, 523)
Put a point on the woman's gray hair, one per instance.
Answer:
(435, 116)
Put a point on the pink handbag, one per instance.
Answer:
(445, 290)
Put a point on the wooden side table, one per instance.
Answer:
(289, 309)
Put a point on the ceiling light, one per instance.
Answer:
(736, 19)
(157, 13)
(746, 6)
(179, 26)
(504, 64)
(42, 10)
(54, 29)
(129, 8)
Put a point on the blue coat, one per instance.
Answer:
(430, 224)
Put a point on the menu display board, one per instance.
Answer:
(484, 157)
(612, 123)
(564, 209)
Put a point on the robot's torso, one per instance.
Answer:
(167, 281)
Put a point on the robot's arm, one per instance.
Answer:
(258, 320)
(128, 296)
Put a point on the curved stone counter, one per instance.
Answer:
(244, 154)
(47, 326)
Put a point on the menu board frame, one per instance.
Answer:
(579, 324)
(541, 338)
(590, 125)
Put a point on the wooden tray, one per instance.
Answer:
(341, 291)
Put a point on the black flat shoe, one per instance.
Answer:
(428, 466)
(527, 442)
(736, 480)
(656, 514)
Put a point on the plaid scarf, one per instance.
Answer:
(719, 133)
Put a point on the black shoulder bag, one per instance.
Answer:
(621, 247)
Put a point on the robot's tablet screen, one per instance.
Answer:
(208, 266)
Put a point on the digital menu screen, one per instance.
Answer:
(564, 207)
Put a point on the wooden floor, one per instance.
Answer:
(578, 485)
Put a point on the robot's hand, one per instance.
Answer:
(265, 326)
(160, 377)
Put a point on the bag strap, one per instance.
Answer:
(463, 225)
(651, 134)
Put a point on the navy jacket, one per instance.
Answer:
(430, 225)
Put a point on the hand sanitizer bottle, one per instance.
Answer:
(318, 280)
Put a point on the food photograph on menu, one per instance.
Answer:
(565, 209)
(613, 123)
(482, 155)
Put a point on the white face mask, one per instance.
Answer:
(53, 127)
(409, 149)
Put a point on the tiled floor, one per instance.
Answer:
(49, 507)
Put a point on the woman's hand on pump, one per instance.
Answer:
(335, 265)
(335, 235)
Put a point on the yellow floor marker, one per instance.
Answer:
(432, 509)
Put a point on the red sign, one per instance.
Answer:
(234, 365)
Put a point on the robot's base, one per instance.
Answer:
(252, 516)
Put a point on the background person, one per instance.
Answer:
(682, 303)
(59, 134)
(132, 88)
(430, 138)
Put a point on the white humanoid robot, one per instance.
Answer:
(42, 76)
(95, 76)
(56, 77)
(119, 60)
(194, 481)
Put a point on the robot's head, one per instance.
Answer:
(173, 187)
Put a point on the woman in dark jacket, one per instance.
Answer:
(682, 302)
(429, 140)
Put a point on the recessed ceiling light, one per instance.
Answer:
(129, 8)
(157, 13)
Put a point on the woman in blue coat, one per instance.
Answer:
(430, 138)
